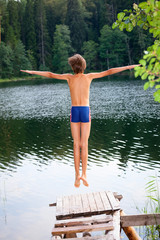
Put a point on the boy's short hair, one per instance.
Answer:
(78, 63)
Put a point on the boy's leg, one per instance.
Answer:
(75, 130)
(85, 132)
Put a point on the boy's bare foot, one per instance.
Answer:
(77, 181)
(84, 179)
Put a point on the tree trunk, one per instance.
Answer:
(107, 60)
(0, 27)
(42, 42)
(129, 51)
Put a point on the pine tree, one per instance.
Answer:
(55, 14)
(8, 35)
(29, 31)
(61, 49)
(42, 37)
(2, 13)
(14, 23)
(20, 61)
(6, 61)
(76, 23)
(30, 36)
(113, 48)
(90, 51)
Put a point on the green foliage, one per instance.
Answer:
(34, 23)
(6, 59)
(11, 61)
(90, 51)
(146, 15)
(29, 30)
(20, 61)
(112, 47)
(76, 23)
(61, 48)
(14, 22)
(42, 36)
(152, 206)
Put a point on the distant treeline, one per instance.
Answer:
(42, 34)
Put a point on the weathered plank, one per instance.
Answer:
(65, 205)
(105, 200)
(116, 195)
(86, 228)
(98, 201)
(84, 220)
(103, 237)
(79, 205)
(85, 203)
(113, 201)
(140, 220)
(72, 204)
(59, 206)
(92, 202)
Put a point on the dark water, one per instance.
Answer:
(36, 156)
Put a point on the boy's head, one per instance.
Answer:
(78, 63)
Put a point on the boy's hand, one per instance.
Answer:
(27, 71)
(133, 66)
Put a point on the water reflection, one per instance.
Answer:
(36, 155)
(50, 140)
(34, 124)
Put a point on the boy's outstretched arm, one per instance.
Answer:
(111, 71)
(48, 74)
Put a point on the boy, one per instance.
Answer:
(79, 85)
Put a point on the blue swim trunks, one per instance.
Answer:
(80, 114)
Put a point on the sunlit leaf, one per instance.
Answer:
(146, 85)
(120, 16)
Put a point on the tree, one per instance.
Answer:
(55, 13)
(6, 61)
(14, 22)
(146, 15)
(43, 41)
(20, 61)
(90, 51)
(2, 11)
(61, 48)
(76, 23)
(112, 48)
(29, 31)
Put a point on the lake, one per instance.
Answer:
(36, 155)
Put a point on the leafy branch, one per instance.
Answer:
(146, 15)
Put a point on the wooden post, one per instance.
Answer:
(130, 231)
(70, 235)
(115, 233)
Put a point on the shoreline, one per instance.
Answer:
(2, 80)
(16, 79)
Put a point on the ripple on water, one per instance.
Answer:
(34, 125)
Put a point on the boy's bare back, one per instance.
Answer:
(79, 85)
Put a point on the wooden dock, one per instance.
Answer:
(99, 211)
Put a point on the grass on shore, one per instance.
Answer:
(15, 79)
(152, 206)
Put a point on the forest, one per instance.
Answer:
(42, 34)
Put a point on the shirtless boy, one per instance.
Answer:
(79, 85)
